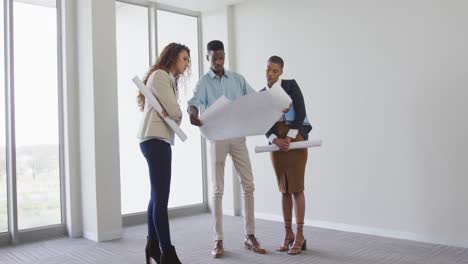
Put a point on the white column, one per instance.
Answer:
(219, 24)
(231, 51)
(71, 121)
(98, 120)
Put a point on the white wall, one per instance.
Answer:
(215, 27)
(386, 81)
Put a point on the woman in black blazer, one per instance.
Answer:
(289, 165)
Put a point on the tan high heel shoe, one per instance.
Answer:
(286, 245)
(288, 241)
(298, 246)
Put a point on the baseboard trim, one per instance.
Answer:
(371, 231)
(90, 236)
(110, 235)
(103, 236)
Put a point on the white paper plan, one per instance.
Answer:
(250, 115)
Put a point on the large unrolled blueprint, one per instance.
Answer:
(250, 115)
(293, 145)
(157, 106)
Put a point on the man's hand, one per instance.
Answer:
(283, 144)
(195, 121)
(193, 112)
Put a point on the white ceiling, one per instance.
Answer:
(46, 3)
(199, 5)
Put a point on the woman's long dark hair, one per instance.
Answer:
(166, 60)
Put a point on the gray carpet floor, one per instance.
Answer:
(192, 237)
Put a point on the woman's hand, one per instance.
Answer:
(283, 144)
(163, 114)
(287, 109)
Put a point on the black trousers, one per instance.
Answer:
(158, 155)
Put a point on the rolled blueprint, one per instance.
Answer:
(155, 104)
(293, 145)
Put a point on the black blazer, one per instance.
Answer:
(292, 89)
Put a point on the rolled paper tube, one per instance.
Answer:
(293, 145)
(157, 106)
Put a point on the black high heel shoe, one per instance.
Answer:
(169, 256)
(152, 251)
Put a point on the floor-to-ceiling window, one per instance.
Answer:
(36, 113)
(30, 107)
(142, 32)
(187, 184)
(133, 49)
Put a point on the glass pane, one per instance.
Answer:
(187, 181)
(132, 59)
(3, 193)
(36, 114)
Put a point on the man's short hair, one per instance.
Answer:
(278, 60)
(215, 45)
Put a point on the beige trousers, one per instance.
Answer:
(240, 157)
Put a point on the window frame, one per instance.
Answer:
(141, 217)
(15, 236)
